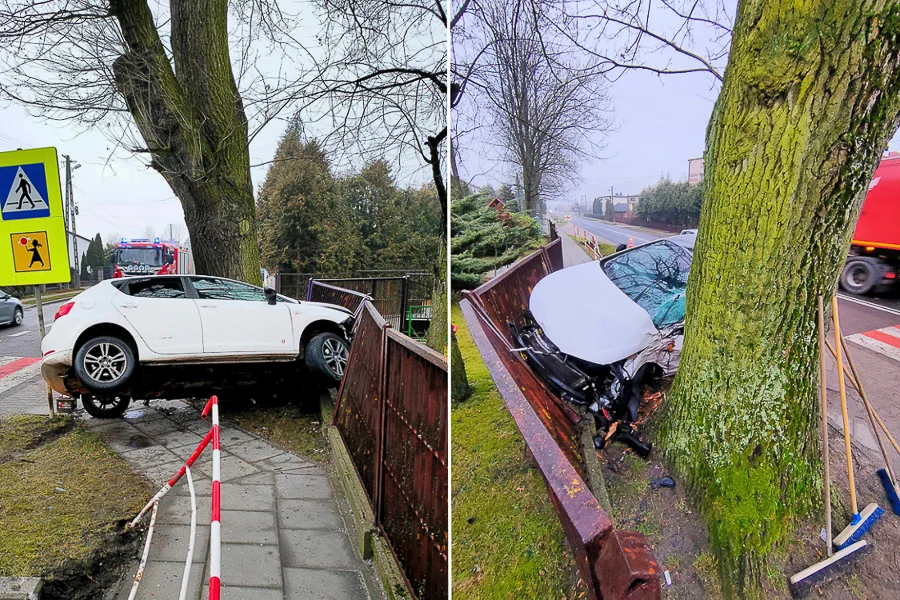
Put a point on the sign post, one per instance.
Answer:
(33, 240)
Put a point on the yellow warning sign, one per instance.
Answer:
(31, 251)
(32, 219)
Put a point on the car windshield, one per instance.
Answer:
(140, 256)
(655, 277)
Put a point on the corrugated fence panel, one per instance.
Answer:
(413, 508)
(392, 413)
(357, 414)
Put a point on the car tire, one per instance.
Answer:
(107, 407)
(326, 356)
(861, 275)
(105, 364)
(18, 317)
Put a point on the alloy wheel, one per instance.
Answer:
(335, 356)
(105, 362)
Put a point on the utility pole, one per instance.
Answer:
(71, 211)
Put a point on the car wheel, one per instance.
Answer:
(861, 275)
(107, 407)
(105, 364)
(326, 355)
(18, 317)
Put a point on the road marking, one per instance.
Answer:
(885, 341)
(20, 333)
(18, 371)
(869, 304)
(616, 230)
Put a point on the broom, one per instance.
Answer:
(886, 475)
(860, 523)
(803, 581)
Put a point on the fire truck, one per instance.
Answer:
(145, 257)
(874, 259)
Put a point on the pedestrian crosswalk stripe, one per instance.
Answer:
(17, 371)
(885, 341)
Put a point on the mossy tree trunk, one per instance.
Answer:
(808, 103)
(192, 119)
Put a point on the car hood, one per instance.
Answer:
(586, 316)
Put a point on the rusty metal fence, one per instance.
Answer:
(615, 564)
(392, 415)
(397, 299)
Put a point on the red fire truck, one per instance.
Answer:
(146, 257)
(874, 259)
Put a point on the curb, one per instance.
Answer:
(21, 588)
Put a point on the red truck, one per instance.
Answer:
(146, 257)
(875, 250)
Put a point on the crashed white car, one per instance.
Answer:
(596, 331)
(177, 336)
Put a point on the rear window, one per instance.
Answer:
(165, 287)
(655, 277)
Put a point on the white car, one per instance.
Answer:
(144, 337)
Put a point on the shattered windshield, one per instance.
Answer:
(655, 277)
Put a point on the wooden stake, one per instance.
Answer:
(39, 305)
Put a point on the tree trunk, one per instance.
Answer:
(193, 122)
(808, 103)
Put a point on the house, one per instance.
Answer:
(624, 205)
(695, 170)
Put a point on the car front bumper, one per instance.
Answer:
(54, 367)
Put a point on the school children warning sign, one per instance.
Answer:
(31, 219)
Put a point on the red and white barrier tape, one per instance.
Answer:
(185, 578)
(165, 489)
(140, 571)
(215, 526)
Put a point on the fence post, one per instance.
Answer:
(309, 287)
(404, 306)
(377, 496)
(278, 283)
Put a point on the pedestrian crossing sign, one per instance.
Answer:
(32, 219)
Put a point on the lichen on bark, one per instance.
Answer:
(809, 100)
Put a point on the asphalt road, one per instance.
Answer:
(616, 234)
(25, 339)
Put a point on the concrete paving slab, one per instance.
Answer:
(314, 584)
(317, 549)
(176, 510)
(142, 414)
(179, 439)
(309, 514)
(254, 450)
(171, 542)
(247, 593)
(309, 487)
(159, 474)
(248, 497)
(156, 427)
(261, 478)
(251, 565)
(231, 467)
(285, 463)
(162, 580)
(249, 527)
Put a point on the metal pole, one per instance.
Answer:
(74, 211)
(39, 305)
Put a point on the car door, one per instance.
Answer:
(163, 315)
(237, 319)
(7, 307)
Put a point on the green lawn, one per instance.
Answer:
(507, 539)
(63, 494)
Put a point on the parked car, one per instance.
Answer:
(596, 331)
(11, 311)
(146, 337)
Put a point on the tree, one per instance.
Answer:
(160, 80)
(94, 256)
(484, 238)
(670, 202)
(505, 195)
(808, 101)
(609, 210)
(546, 109)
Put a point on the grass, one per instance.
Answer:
(507, 538)
(296, 428)
(603, 248)
(63, 494)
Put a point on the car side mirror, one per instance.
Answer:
(270, 295)
(621, 247)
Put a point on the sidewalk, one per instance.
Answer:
(573, 254)
(282, 534)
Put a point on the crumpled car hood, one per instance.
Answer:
(588, 317)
